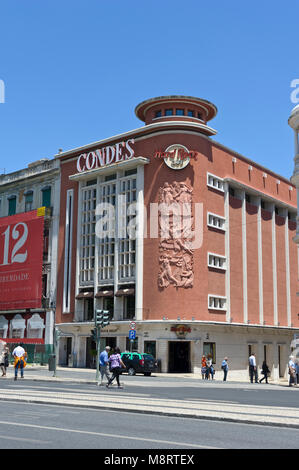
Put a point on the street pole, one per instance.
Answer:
(98, 352)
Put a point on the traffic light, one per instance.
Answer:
(98, 318)
(106, 318)
(94, 335)
(102, 318)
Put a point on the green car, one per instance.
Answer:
(139, 363)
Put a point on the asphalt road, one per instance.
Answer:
(181, 388)
(35, 426)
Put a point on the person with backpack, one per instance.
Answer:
(115, 366)
(224, 367)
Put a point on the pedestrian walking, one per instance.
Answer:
(224, 367)
(209, 368)
(20, 356)
(104, 365)
(203, 367)
(115, 365)
(253, 369)
(4, 351)
(265, 372)
(292, 371)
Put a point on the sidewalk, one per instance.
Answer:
(83, 375)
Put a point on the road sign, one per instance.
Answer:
(132, 325)
(132, 334)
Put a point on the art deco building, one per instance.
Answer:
(211, 269)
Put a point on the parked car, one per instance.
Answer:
(139, 363)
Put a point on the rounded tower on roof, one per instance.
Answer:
(176, 108)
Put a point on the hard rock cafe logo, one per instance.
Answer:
(176, 156)
(181, 330)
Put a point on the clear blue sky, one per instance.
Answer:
(75, 70)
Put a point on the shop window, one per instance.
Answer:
(150, 347)
(12, 205)
(46, 197)
(209, 350)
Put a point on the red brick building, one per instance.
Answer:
(228, 291)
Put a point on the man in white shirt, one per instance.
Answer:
(20, 356)
(253, 369)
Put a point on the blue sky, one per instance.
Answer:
(75, 70)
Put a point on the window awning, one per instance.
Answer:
(104, 293)
(85, 295)
(125, 292)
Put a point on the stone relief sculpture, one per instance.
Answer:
(175, 224)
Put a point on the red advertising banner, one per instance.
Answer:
(21, 260)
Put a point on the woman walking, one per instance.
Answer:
(265, 372)
(115, 365)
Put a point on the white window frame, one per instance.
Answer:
(220, 259)
(215, 183)
(218, 298)
(220, 218)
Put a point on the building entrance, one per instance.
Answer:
(179, 356)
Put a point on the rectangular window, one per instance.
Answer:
(168, 112)
(190, 113)
(216, 261)
(88, 227)
(12, 205)
(216, 221)
(68, 250)
(129, 307)
(29, 201)
(215, 182)
(158, 114)
(88, 310)
(179, 112)
(216, 302)
(46, 197)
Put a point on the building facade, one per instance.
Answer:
(29, 208)
(165, 226)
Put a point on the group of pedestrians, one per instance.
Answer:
(208, 371)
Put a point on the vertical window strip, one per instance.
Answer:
(68, 250)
